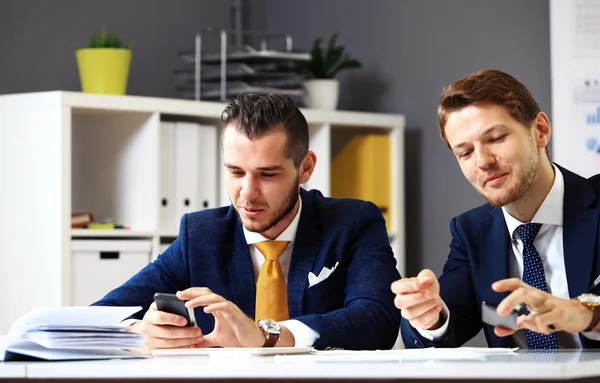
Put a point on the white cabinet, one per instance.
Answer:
(99, 266)
(116, 156)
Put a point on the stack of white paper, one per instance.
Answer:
(73, 333)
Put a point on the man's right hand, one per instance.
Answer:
(166, 330)
(419, 300)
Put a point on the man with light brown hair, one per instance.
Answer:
(540, 224)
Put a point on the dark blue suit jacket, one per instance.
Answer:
(479, 256)
(353, 308)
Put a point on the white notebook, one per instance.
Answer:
(232, 351)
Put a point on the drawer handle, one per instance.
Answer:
(109, 255)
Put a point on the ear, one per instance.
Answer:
(542, 130)
(307, 167)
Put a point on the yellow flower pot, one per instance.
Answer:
(103, 70)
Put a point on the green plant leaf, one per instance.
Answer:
(346, 63)
(93, 42)
(316, 62)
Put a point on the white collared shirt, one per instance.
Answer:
(549, 244)
(304, 335)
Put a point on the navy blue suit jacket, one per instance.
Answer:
(353, 308)
(479, 256)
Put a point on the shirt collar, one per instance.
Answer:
(289, 234)
(551, 210)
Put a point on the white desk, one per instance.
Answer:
(581, 366)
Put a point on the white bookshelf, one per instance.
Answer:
(67, 152)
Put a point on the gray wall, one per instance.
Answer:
(38, 38)
(410, 49)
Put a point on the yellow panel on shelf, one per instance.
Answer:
(362, 170)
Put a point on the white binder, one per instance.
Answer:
(195, 168)
(168, 219)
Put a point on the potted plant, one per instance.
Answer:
(104, 63)
(321, 86)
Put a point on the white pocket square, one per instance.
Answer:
(323, 275)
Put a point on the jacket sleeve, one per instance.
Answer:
(369, 320)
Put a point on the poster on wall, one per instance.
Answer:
(585, 131)
(586, 29)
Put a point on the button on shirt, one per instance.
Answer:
(304, 335)
(549, 244)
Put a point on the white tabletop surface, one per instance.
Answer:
(521, 365)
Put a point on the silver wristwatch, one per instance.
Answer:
(271, 330)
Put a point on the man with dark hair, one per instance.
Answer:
(280, 266)
(540, 223)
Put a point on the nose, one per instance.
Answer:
(250, 188)
(484, 158)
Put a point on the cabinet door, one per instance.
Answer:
(102, 265)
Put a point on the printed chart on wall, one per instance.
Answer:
(586, 29)
(585, 135)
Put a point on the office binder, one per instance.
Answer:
(168, 219)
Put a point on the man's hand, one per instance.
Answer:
(166, 330)
(419, 300)
(232, 327)
(564, 314)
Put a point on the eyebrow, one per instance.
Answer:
(262, 168)
(490, 129)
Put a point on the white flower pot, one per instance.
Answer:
(321, 93)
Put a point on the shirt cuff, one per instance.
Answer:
(437, 334)
(593, 335)
(304, 336)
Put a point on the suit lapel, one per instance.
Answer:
(494, 261)
(306, 247)
(494, 255)
(580, 230)
(241, 272)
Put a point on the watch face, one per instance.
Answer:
(590, 299)
(269, 326)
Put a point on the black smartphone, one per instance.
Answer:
(171, 304)
(490, 316)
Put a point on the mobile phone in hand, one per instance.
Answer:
(171, 304)
(490, 316)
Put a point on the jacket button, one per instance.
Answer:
(417, 343)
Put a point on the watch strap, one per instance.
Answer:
(595, 319)
(272, 339)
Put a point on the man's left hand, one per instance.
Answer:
(233, 328)
(564, 314)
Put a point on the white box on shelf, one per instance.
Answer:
(101, 265)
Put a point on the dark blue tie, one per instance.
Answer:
(533, 275)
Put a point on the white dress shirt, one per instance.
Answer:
(549, 244)
(304, 335)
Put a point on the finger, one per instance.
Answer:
(533, 297)
(426, 278)
(548, 322)
(405, 301)
(209, 341)
(156, 343)
(510, 284)
(193, 292)
(173, 332)
(165, 318)
(503, 331)
(205, 300)
(428, 319)
(405, 285)
(416, 311)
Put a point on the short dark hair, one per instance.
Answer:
(256, 115)
(487, 86)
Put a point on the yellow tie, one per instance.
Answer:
(271, 293)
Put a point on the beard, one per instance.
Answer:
(523, 183)
(283, 211)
